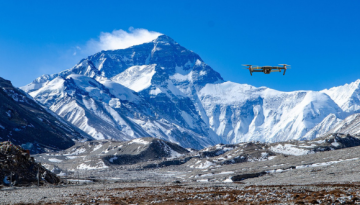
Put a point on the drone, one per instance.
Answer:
(267, 69)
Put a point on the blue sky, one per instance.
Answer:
(320, 39)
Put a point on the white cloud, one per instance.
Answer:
(119, 39)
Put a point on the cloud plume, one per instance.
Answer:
(119, 39)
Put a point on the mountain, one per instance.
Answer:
(350, 125)
(346, 96)
(26, 123)
(161, 89)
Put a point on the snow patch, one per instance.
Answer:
(55, 160)
(139, 141)
(136, 78)
(289, 149)
(205, 165)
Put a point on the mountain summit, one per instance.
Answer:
(161, 89)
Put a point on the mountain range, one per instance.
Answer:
(163, 90)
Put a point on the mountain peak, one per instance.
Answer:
(164, 39)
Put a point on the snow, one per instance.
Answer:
(325, 163)
(198, 62)
(55, 160)
(78, 151)
(136, 78)
(2, 127)
(349, 125)
(52, 88)
(139, 141)
(101, 100)
(119, 91)
(174, 154)
(155, 92)
(188, 119)
(99, 165)
(289, 149)
(203, 73)
(81, 181)
(97, 147)
(61, 174)
(230, 172)
(228, 180)
(335, 144)
(180, 78)
(205, 165)
(343, 95)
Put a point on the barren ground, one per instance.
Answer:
(167, 193)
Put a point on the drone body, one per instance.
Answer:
(267, 69)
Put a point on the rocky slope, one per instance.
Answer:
(26, 123)
(148, 153)
(104, 154)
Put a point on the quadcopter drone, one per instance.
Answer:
(267, 69)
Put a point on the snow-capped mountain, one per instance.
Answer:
(160, 89)
(346, 96)
(26, 123)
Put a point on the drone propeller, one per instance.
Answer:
(285, 65)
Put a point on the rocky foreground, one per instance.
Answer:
(144, 193)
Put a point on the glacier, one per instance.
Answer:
(161, 89)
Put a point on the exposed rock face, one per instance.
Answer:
(26, 123)
(18, 169)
